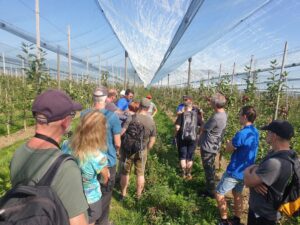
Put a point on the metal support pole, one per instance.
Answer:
(189, 72)
(58, 68)
(3, 62)
(38, 39)
(232, 77)
(69, 53)
(125, 72)
(281, 77)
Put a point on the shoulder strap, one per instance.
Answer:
(48, 177)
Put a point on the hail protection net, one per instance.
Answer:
(94, 45)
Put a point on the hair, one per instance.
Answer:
(111, 93)
(249, 112)
(89, 136)
(134, 106)
(128, 91)
(218, 100)
(99, 99)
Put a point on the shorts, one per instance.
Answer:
(138, 159)
(186, 149)
(228, 183)
(94, 211)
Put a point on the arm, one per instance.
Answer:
(154, 111)
(229, 146)
(250, 177)
(78, 220)
(105, 175)
(117, 141)
(151, 142)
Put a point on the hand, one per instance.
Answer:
(261, 189)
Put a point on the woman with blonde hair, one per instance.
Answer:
(88, 146)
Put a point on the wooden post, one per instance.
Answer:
(69, 53)
(23, 71)
(232, 77)
(134, 78)
(125, 72)
(208, 80)
(58, 67)
(99, 80)
(250, 68)
(220, 71)
(189, 73)
(281, 77)
(87, 62)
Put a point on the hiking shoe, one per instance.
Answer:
(189, 176)
(122, 198)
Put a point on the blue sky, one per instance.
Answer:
(145, 29)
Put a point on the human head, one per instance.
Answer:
(188, 105)
(134, 106)
(53, 111)
(90, 135)
(247, 114)
(129, 94)
(145, 104)
(218, 101)
(99, 95)
(187, 99)
(282, 129)
(53, 105)
(112, 94)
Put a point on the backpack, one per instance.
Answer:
(189, 127)
(133, 139)
(39, 204)
(289, 203)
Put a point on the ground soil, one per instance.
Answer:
(6, 141)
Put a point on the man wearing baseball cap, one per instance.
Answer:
(271, 175)
(53, 111)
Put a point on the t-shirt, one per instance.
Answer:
(123, 104)
(214, 128)
(149, 125)
(113, 127)
(111, 106)
(29, 165)
(180, 121)
(275, 172)
(89, 170)
(151, 108)
(180, 108)
(246, 143)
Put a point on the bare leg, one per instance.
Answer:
(140, 182)
(238, 203)
(124, 184)
(222, 205)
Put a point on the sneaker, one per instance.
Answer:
(235, 220)
(206, 194)
(122, 198)
(224, 222)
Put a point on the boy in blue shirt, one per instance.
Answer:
(244, 146)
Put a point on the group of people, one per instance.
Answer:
(123, 131)
(98, 144)
(272, 173)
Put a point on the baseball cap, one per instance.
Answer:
(282, 128)
(122, 92)
(145, 102)
(54, 105)
(149, 96)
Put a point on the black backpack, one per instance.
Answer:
(133, 138)
(189, 128)
(289, 202)
(35, 205)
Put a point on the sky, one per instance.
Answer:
(222, 32)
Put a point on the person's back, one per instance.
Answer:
(53, 111)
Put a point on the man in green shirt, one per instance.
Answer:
(53, 111)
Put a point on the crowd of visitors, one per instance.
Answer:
(120, 132)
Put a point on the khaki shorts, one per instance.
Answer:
(138, 159)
